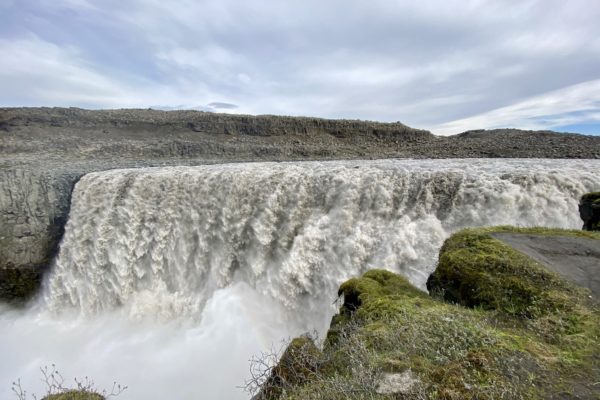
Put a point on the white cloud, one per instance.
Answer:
(37, 72)
(75, 4)
(52, 74)
(569, 105)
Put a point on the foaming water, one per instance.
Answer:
(169, 279)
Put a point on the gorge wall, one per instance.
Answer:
(44, 151)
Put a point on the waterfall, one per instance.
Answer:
(236, 255)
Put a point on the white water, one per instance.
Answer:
(169, 279)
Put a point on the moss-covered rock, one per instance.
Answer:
(526, 333)
(476, 270)
(593, 197)
(75, 395)
(589, 209)
(297, 366)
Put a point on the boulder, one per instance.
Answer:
(589, 209)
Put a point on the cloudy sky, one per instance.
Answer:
(443, 65)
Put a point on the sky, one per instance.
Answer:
(443, 65)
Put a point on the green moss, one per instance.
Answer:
(526, 333)
(476, 270)
(297, 366)
(378, 290)
(75, 395)
(593, 197)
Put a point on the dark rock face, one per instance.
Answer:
(589, 209)
(145, 134)
(44, 151)
(17, 285)
(34, 207)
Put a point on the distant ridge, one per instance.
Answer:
(144, 134)
(208, 122)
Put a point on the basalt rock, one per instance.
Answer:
(17, 285)
(589, 209)
(34, 206)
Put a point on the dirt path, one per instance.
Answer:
(575, 258)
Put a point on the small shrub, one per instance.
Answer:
(56, 389)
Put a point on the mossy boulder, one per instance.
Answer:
(589, 209)
(501, 327)
(593, 197)
(75, 395)
(377, 289)
(476, 270)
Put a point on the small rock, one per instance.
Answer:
(401, 383)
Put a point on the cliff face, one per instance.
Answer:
(589, 209)
(113, 135)
(34, 206)
(43, 151)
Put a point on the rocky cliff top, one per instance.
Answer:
(200, 121)
(76, 134)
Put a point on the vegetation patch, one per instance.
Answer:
(57, 389)
(476, 270)
(499, 326)
(75, 395)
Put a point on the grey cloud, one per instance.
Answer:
(220, 105)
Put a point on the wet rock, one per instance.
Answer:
(589, 209)
(18, 285)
